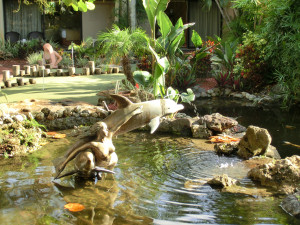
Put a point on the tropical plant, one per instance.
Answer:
(250, 62)
(185, 77)
(201, 58)
(82, 62)
(120, 44)
(35, 58)
(86, 49)
(6, 50)
(223, 62)
(281, 31)
(81, 5)
(66, 60)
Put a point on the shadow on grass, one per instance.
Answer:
(79, 88)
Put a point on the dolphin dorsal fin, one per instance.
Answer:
(121, 101)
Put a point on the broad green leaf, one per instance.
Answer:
(152, 8)
(172, 94)
(201, 55)
(163, 63)
(196, 39)
(176, 44)
(75, 7)
(67, 2)
(143, 78)
(189, 96)
(82, 6)
(90, 5)
(179, 23)
(158, 80)
(164, 24)
(175, 32)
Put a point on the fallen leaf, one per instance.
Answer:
(56, 135)
(290, 127)
(223, 139)
(59, 136)
(74, 207)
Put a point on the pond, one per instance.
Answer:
(153, 184)
(282, 125)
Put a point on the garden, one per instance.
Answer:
(230, 157)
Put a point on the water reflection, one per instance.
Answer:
(158, 180)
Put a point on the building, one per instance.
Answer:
(76, 26)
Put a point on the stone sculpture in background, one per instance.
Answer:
(102, 156)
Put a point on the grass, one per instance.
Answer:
(78, 88)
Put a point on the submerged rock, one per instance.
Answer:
(222, 181)
(283, 175)
(255, 142)
(226, 148)
(291, 204)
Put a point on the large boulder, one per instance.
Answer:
(283, 174)
(218, 122)
(255, 142)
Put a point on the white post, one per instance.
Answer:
(72, 57)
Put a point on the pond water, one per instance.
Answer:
(282, 125)
(153, 184)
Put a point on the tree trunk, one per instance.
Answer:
(132, 13)
(127, 69)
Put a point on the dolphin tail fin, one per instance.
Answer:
(65, 174)
(121, 101)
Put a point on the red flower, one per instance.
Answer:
(137, 86)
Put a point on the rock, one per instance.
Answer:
(291, 204)
(29, 116)
(272, 153)
(67, 112)
(18, 118)
(255, 142)
(217, 122)
(46, 111)
(7, 120)
(237, 129)
(77, 109)
(222, 181)
(60, 113)
(226, 148)
(182, 126)
(52, 116)
(40, 116)
(227, 91)
(200, 131)
(283, 174)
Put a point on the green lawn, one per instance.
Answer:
(78, 88)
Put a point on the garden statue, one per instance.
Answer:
(50, 56)
(127, 117)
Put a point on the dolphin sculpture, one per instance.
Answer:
(127, 117)
(152, 112)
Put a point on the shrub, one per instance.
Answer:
(35, 58)
(81, 62)
(281, 31)
(66, 60)
(250, 61)
(185, 77)
(200, 62)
